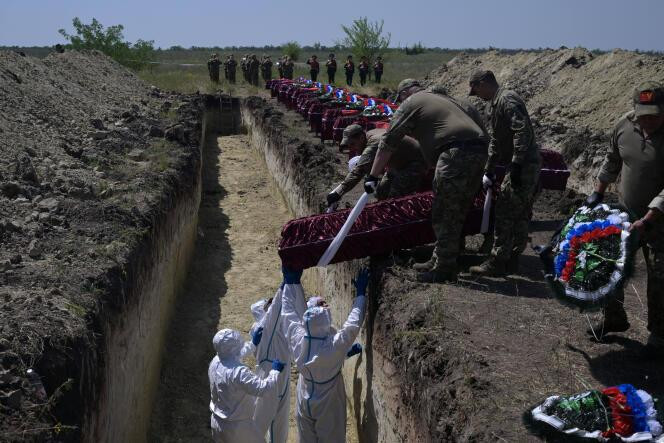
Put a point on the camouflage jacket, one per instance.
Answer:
(512, 134)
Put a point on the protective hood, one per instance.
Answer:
(228, 344)
(313, 301)
(318, 321)
(257, 310)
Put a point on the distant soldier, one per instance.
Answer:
(244, 67)
(331, 68)
(512, 143)
(213, 67)
(59, 48)
(363, 68)
(349, 68)
(253, 67)
(226, 67)
(231, 66)
(280, 67)
(635, 153)
(406, 168)
(314, 67)
(288, 66)
(450, 140)
(266, 68)
(378, 69)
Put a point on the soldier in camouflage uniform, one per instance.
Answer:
(406, 168)
(266, 68)
(231, 67)
(636, 153)
(457, 146)
(287, 67)
(252, 69)
(213, 67)
(513, 143)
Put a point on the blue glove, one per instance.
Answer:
(291, 277)
(256, 336)
(354, 350)
(277, 365)
(361, 282)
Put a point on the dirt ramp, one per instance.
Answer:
(574, 96)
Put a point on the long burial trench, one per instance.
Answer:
(234, 264)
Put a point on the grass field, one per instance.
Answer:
(186, 71)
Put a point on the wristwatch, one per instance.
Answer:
(647, 224)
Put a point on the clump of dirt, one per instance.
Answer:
(574, 97)
(90, 157)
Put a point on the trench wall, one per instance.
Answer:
(373, 385)
(134, 335)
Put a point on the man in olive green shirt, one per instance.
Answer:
(405, 170)
(512, 143)
(636, 151)
(457, 146)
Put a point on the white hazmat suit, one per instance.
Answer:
(234, 389)
(273, 410)
(319, 353)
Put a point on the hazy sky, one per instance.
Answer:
(603, 24)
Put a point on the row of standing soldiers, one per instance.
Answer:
(250, 67)
(349, 69)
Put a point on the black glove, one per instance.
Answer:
(370, 184)
(515, 175)
(594, 199)
(332, 198)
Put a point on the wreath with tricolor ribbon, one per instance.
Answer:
(615, 413)
(592, 255)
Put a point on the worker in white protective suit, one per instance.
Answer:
(269, 337)
(319, 355)
(234, 390)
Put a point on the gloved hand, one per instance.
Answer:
(370, 184)
(515, 175)
(361, 282)
(291, 277)
(488, 180)
(277, 365)
(256, 336)
(594, 199)
(354, 350)
(332, 198)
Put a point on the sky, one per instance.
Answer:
(601, 24)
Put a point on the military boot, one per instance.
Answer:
(612, 322)
(512, 265)
(438, 276)
(487, 244)
(490, 268)
(426, 266)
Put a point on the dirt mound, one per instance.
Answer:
(574, 97)
(89, 158)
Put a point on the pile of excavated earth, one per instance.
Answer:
(574, 97)
(90, 157)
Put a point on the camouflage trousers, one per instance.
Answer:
(400, 182)
(653, 252)
(513, 211)
(457, 179)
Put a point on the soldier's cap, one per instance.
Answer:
(478, 76)
(649, 99)
(406, 84)
(350, 132)
(314, 56)
(331, 55)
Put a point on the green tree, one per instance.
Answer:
(366, 38)
(292, 49)
(110, 41)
